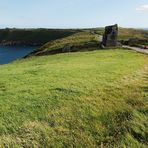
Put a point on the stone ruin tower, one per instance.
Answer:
(110, 36)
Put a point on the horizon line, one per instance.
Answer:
(74, 28)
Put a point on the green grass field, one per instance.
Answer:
(83, 99)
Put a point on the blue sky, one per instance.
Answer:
(73, 13)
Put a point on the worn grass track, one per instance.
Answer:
(89, 99)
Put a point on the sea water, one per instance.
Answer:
(11, 53)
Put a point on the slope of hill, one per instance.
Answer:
(127, 33)
(78, 41)
(87, 99)
(32, 36)
(86, 38)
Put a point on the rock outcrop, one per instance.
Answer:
(110, 36)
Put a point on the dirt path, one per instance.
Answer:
(137, 49)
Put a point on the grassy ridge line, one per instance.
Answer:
(77, 40)
(85, 39)
(81, 99)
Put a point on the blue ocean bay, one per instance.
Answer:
(11, 53)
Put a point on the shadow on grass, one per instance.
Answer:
(2, 87)
(67, 91)
(116, 124)
(145, 88)
(138, 127)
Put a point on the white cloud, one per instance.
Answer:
(142, 8)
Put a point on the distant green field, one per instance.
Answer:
(127, 33)
(83, 99)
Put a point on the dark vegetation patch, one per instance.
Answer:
(2, 87)
(135, 102)
(67, 91)
(116, 124)
(139, 127)
(135, 42)
(145, 89)
(139, 124)
(143, 138)
(32, 36)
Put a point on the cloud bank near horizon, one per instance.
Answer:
(143, 8)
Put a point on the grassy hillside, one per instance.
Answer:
(86, 38)
(89, 99)
(127, 33)
(78, 41)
